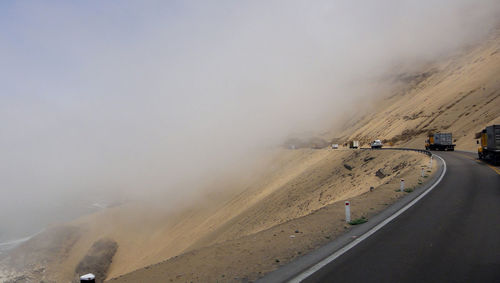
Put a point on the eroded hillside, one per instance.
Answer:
(298, 183)
(297, 192)
(460, 95)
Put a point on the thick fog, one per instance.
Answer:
(103, 99)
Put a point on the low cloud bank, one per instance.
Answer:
(128, 98)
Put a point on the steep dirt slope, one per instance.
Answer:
(302, 214)
(299, 183)
(460, 95)
(320, 184)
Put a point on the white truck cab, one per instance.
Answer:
(376, 144)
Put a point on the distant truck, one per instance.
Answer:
(335, 146)
(376, 144)
(354, 144)
(440, 141)
(489, 143)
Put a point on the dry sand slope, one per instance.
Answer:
(301, 214)
(298, 183)
(254, 225)
(460, 95)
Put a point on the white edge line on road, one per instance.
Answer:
(352, 244)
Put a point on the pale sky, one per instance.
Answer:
(106, 96)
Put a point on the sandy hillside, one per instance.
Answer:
(302, 181)
(460, 95)
(302, 215)
(245, 228)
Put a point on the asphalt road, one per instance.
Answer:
(451, 235)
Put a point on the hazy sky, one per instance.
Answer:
(141, 95)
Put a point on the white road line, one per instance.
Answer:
(352, 244)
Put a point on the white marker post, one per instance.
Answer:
(430, 163)
(423, 172)
(347, 211)
(402, 187)
(87, 278)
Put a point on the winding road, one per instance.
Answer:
(451, 235)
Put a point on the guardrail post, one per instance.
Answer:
(347, 211)
(402, 187)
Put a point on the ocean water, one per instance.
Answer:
(21, 218)
(6, 246)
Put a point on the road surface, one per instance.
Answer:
(452, 235)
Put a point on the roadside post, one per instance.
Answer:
(347, 211)
(422, 174)
(430, 163)
(87, 278)
(402, 187)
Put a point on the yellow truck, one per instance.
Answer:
(489, 143)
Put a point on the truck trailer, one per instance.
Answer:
(489, 143)
(354, 144)
(440, 141)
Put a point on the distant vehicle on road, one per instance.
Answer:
(489, 143)
(335, 146)
(354, 144)
(376, 144)
(440, 141)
